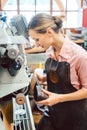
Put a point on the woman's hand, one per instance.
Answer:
(52, 99)
(41, 78)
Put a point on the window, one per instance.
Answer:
(31, 7)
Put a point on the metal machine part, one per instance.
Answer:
(13, 75)
(14, 79)
(13, 51)
(2, 51)
(22, 115)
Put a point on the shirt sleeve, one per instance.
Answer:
(82, 71)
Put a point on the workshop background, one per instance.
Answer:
(16, 15)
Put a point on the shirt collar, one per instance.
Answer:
(66, 50)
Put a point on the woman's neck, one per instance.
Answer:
(57, 48)
(56, 54)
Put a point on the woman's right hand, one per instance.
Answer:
(40, 75)
(41, 78)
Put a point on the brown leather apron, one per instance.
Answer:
(71, 115)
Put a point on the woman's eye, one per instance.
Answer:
(36, 40)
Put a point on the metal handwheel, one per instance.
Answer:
(20, 99)
(22, 115)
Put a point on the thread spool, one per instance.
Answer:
(40, 65)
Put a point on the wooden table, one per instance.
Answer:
(79, 42)
(34, 50)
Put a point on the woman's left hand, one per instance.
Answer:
(52, 99)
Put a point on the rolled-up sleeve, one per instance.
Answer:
(82, 71)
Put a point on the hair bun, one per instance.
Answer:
(57, 21)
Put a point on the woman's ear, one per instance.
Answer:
(62, 30)
(49, 31)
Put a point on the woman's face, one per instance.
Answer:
(42, 40)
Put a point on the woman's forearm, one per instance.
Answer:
(61, 7)
(60, 4)
(80, 94)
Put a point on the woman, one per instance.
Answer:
(66, 75)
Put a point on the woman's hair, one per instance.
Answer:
(42, 21)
